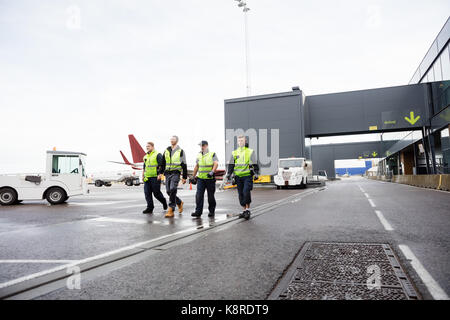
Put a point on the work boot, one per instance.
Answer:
(148, 210)
(180, 207)
(246, 214)
(169, 213)
(196, 214)
(241, 215)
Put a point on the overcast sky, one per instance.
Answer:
(83, 82)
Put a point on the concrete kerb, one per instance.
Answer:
(431, 181)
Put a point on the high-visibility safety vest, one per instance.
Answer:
(174, 162)
(242, 158)
(151, 165)
(205, 164)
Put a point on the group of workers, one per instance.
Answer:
(242, 166)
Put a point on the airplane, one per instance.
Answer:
(138, 153)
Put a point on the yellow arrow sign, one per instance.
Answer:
(411, 118)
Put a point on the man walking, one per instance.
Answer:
(245, 167)
(206, 165)
(151, 175)
(175, 164)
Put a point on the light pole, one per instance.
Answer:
(245, 9)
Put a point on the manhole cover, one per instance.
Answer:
(345, 271)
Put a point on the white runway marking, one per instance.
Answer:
(433, 287)
(37, 261)
(133, 206)
(120, 220)
(383, 221)
(105, 203)
(100, 256)
(371, 203)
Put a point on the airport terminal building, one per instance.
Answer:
(283, 124)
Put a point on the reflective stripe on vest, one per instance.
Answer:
(242, 158)
(205, 165)
(174, 162)
(151, 164)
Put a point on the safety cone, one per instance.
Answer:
(190, 185)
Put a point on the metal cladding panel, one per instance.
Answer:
(268, 113)
(368, 110)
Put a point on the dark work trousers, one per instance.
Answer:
(172, 180)
(244, 186)
(210, 186)
(153, 185)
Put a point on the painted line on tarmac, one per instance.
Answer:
(387, 226)
(433, 287)
(105, 203)
(120, 220)
(145, 245)
(37, 261)
(90, 259)
(132, 206)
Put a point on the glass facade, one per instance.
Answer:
(435, 66)
(439, 69)
(427, 152)
(441, 95)
(444, 159)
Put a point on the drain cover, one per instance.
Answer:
(345, 271)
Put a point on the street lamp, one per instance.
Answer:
(245, 9)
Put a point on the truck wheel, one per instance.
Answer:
(108, 184)
(278, 187)
(129, 183)
(56, 195)
(8, 196)
(98, 183)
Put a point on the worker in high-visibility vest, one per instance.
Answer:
(206, 166)
(175, 165)
(243, 164)
(151, 175)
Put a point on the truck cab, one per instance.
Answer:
(293, 172)
(65, 176)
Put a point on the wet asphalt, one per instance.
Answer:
(243, 260)
(104, 220)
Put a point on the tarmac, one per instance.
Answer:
(221, 258)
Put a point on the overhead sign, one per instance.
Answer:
(412, 120)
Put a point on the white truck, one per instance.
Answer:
(65, 176)
(293, 172)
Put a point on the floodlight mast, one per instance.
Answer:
(245, 9)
